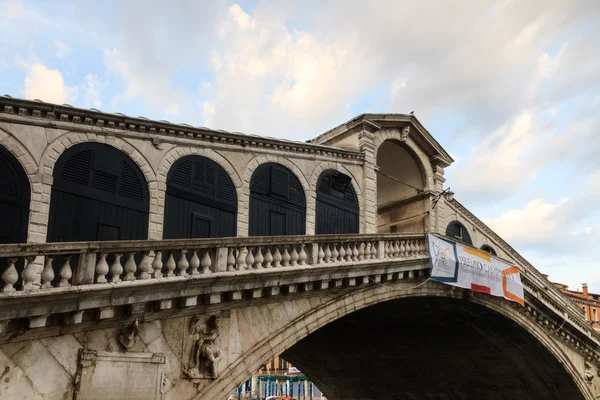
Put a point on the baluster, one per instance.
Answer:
(361, 251)
(259, 259)
(418, 247)
(334, 253)
(386, 249)
(10, 276)
(373, 250)
(48, 273)
(423, 248)
(130, 268)
(400, 251)
(230, 259)
(65, 273)
(195, 262)
(320, 254)
(294, 257)
(182, 264)
(413, 251)
(286, 257)
(249, 259)
(354, 252)
(302, 256)
(170, 264)
(277, 258)
(327, 258)
(368, 250)
(116, 269)
(157, 264)
(241, 259)
(101, 269)
(206, 261)
(146, 266)
(29, 274)
(342, 252)
(268, 257)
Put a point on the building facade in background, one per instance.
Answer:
(588, 302)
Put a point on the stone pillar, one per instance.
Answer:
(366, 142)
(254, 386)
(437, 220)
(305, 390)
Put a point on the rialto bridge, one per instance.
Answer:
(149, 260)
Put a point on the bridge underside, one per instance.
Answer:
(430, 348)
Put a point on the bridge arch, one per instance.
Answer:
(306, 319)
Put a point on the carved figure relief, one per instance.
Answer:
(204, 351)
(589, 373)
(127, 336)
(405, 132)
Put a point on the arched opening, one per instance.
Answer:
(15, 194)
(489, 249)
(277, 202)
(430, 348)
(337, 204)
(99, 193)
(457, 231)
(201, 200)
(400, 190)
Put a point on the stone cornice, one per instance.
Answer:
(40, 113)
(375, 122)
(535, 282)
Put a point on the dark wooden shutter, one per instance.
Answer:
(337, 204)
(99, 193)
(201, 200)
(14, 199)
(277, 202)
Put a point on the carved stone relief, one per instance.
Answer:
(128, 336)
(588, 373)
(405, 132)
(202, 348)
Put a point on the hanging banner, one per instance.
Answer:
(469, 268)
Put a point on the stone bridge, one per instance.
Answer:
(355, 313)
(334, 275)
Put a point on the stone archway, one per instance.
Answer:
(163, 170)
(53, 151)
(244, 195)
(311, 200)
(304, 317)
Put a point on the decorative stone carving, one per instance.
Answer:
(128, 336)
(405, 132)
(588, 373)
(204, 351)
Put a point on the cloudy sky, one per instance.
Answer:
(510, 88)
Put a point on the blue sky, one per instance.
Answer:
(511, 90)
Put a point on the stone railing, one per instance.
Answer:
(108, 263)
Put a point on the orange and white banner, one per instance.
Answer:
(470, 268)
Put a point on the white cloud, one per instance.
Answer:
(12, 9)
(47, 85)
(62, 49)
(538, 222)
(497, 166)
(92, 90)
(268, 77)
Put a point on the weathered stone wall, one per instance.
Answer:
(249, 336)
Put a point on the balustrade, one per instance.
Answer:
(61, 265)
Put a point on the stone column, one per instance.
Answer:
(437, 217)
(254, 386)
(305, 390)
(366, 142)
